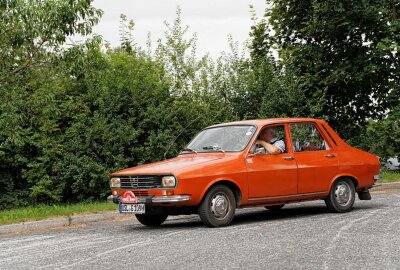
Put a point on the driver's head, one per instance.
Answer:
(267, 134)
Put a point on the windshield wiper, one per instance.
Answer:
(188, 150)
(215, 148)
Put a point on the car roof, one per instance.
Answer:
(267, 121)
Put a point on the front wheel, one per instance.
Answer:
(151, 220)
(342, 196)
(218, 207)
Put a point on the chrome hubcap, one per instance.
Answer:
(219, 206)
(343, 194)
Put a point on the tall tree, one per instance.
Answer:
(31, 37)
(343, 53)
(272, 91)
(30, 30)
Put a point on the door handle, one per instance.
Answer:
(330, 155)
(288, 158)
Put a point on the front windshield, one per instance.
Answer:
(223, 139)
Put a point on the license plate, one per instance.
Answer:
(136, 208)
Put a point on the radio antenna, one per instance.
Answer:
(169, 146)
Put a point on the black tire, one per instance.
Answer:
(275, 208)
(151, 220)
(341, 197)
(218, 207)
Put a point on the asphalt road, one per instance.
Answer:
(301, 236)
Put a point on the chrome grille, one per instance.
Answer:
(141, 181)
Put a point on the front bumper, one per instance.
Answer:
(153, 199)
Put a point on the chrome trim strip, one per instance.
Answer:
(288, 196)
(377, 177)
(177, 198)
(166, 199)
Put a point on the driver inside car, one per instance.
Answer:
(268, 143)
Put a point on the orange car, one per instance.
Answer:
(229, 166)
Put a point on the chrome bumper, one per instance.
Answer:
(153, 199)
(377, 177)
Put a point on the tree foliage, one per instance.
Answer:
(30, 31)
(342, 54)
(78, 113)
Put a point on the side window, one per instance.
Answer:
(274, 135)
(306, 137)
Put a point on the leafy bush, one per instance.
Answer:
(70, 115)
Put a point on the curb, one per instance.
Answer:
(386, 186)
(79, 219)
(55, 222)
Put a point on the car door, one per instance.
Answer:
(317, 161)
(272, 175)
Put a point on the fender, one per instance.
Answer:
(220, 179)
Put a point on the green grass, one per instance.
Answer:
(389, 176)
(34, 213)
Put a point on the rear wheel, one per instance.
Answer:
(218, 207)
(342, 196)
(275, 208)
(151, 220)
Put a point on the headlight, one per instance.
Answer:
(168, 181)
(115, 182)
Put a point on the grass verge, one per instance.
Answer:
(34, 213)
(389, 176)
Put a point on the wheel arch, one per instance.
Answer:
(237, 192)
(345, 176)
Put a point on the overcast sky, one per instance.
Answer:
(212, 20)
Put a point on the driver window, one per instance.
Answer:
(272, 135)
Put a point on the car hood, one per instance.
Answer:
(171, 166)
